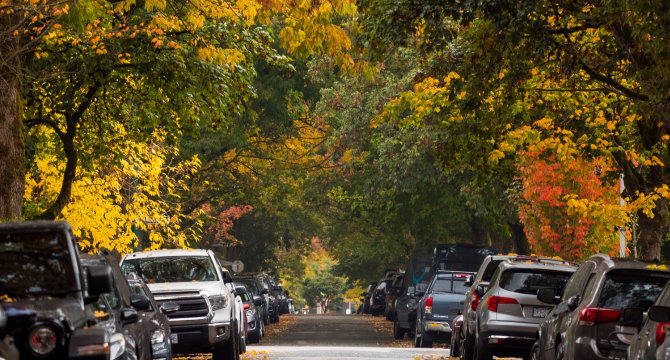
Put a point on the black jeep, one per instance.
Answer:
(40, 271)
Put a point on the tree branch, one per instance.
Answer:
(611, 82)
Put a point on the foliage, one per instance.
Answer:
(223, 222)
(106, 208)
(321, 285)
(553, 228)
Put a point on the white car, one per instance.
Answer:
(208, 315)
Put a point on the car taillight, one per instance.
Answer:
(475, 302)
(246, 306)
(661, 331)
(390, 297)
(429, 305)
(593, 316)
(495, 300)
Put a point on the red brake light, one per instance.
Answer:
(390, 297)
(495, 300)
(429, 301)
(661, 331)
(593, 316)
(460, 275)
(246, 306)
(475, 302)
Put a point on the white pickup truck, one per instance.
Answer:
(207, 319)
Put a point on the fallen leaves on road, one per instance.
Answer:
(285, 324)
(381, 325)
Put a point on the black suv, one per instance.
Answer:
(589, 320)
(256, 288)
(40, 270)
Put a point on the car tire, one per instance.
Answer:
(453, 351)
(243, 345)
(465, 352)
(398, 333)
(227, 351)
(560, 351)
(535, 352)
(417, 335)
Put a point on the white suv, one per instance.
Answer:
(206, 320)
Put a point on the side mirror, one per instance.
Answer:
(633, 316)
(658, 313)
(140, 302)
(479, 291)
(573, 302)
(129, 316)
(258, 301)
(241, 290)
(469, 280)
(169, 307)
(94, 341)
(455, 311)
(99, 279)
(546, 295)
(264, 292)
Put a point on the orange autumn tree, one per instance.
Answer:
(552, 226)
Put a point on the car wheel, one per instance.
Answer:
(256, 338)
(535, 353)
(422, 338)
(242, 342)
(227, 351)
(453, 349)
(560, 352)
(398, 333)
(465, 352)
(417, 335)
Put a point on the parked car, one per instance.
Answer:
(253, 306)
(255, 287)
(287, 304)
(420, 269)
(378, 297)
(588, 322)
(119, 311)
(240, 315)
(205, 321)
(467, 337)
(367, 295)
(271, 296)
(392, 297)
(42, 276)
(441, 303)
(509, 314)
(649, 342)
(156, 317)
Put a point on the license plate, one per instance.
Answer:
(174, 339)
(541, 312)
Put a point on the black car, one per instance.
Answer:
(40, 271)
(156, 318)
(117, 313)
(367, 295)
(255, 287)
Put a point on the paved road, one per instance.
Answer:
(337, 337)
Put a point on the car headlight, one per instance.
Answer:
(118, 345)
(218, 302)
(251, 312)
(42, 340)
(158, 336)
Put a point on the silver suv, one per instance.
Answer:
(466, 338)
(509, 313)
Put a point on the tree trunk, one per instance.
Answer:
(12, 147)
(520, 240)
(653, 230)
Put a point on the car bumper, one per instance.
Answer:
(438, 326)
(201, 336)
(509, 334)
(162, 350)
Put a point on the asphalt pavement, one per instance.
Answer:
(336, 337)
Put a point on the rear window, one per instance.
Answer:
(490, 269)
(449, 285)
(529, 281)
(625, 289)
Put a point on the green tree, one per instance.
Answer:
(321, 285)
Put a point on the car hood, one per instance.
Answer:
(66, 310)
(212, 288)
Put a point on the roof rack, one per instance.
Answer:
(539, 259)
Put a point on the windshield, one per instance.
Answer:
(172, 269)
(251, 286)
(35, 262)
(529, 281)
(625, 288)
(449, 285)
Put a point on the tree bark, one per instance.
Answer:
(520, 240)
(12, 147)
(653, 230)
